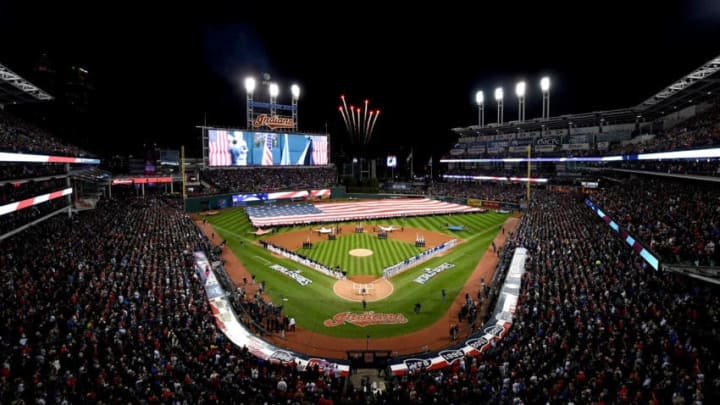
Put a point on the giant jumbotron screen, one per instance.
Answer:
(227, 147)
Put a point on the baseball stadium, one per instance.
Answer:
(560, 259)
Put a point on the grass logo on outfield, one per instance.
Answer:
(295, 275)
(364, 319)
(430, 273)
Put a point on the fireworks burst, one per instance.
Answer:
(359, 121)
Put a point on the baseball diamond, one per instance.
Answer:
(316, 302)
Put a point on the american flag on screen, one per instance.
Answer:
(219, 145)
(267, 159)
(320, 150)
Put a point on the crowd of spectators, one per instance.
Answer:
(11, 192)
(701, 167)
(495, 191)
(16, 219)
(10, 171)
(593, 324)
(680, 220)
(17, 135)
(538, 170)
(268, 179)
(104, 308)
(699, 131)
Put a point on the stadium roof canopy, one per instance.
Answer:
(14, 89)
(696, 87)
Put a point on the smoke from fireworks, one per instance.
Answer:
(359, 121)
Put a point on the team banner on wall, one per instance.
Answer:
(249, 148)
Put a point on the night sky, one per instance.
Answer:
(158, 72)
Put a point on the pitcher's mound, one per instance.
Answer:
(363, 287)
(360, 252)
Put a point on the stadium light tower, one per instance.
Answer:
(274, 91)
(499, 100)
(249, 90)
(545, 87)
(520, 93)
(295, 90)
(480, 100)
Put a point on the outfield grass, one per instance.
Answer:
(385, 253)
(312, 304)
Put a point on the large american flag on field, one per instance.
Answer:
(267, 159)
(219, 148)
(362, 210)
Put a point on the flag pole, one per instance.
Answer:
(431, 171)
(412, 174)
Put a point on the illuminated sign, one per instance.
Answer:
(391, 161)
(273, 121)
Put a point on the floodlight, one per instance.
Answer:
(545, 83)
(499, 94)
(479, 97)
(520, 89)
(249, 84)
(274, 90)
(295, 90)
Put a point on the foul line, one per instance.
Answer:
(488, 230)
(268, 262)
(230, 232)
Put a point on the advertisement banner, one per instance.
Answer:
(474, 202)
(579, 139)
(516, 149)
(576, 146)
(544, 148)
(549, 140)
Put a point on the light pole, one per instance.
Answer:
(274, 91)
(545, 87)
(520, 92)
(480, 100)
(499, 100)
(249, 89)
(295, 90)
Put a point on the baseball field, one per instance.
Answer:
(315, 303)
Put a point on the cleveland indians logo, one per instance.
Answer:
(364, 319)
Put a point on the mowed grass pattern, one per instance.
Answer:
(385, 253)
(312, 304)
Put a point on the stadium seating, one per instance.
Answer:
(261, 179)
